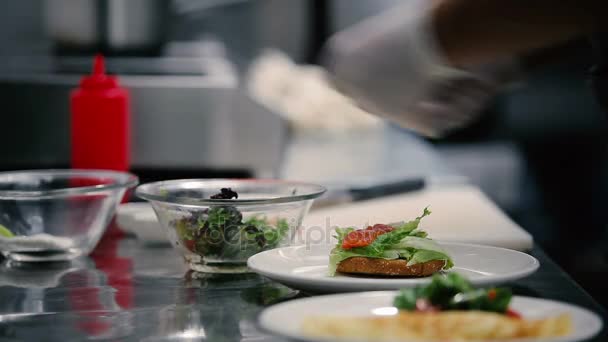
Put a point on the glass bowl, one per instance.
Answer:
(219, 235)
(57, 215)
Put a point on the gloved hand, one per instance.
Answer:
(391, 66)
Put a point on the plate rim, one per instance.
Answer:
(361, 282)
(265, 329)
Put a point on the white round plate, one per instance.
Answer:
(305, 268)
(286, 319)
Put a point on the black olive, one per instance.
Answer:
(225, 193)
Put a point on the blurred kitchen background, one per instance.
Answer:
(539, 153)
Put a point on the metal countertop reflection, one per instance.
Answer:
(130, 291)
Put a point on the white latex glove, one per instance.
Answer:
(390, 65)
(303, 95)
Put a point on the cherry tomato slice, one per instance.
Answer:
(358, 238)
(382, 228)
(513, 314)
(363, 237)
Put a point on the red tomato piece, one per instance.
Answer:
(513, 314)
(363, 237)
(189, 245)
(358, 238)
(492, 294)
(382, 228)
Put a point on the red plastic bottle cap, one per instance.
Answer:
(99, 79)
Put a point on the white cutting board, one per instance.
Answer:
(460, 213)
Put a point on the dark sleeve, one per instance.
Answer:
(599, 72)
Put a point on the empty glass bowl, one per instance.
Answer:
(57, 215)
(219, 235)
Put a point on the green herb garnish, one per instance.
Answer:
(453, 292)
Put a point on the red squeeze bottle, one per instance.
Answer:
(100, 122)
(100, 126)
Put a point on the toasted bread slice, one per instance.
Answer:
(394, 268)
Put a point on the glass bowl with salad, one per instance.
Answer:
(217, 224)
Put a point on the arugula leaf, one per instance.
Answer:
(438, 293)
(221, 232)
(5, 232)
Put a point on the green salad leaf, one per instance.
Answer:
(424, 250)
(454, 292)
(272, 234)
(423, 255)
(406, 241)
(184, 230)
(407, 298)
(386, 241)
(221, 232)
(411, 225)
(336, 256)
(5, 232)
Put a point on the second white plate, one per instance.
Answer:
(286, 319)
(305, 268)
